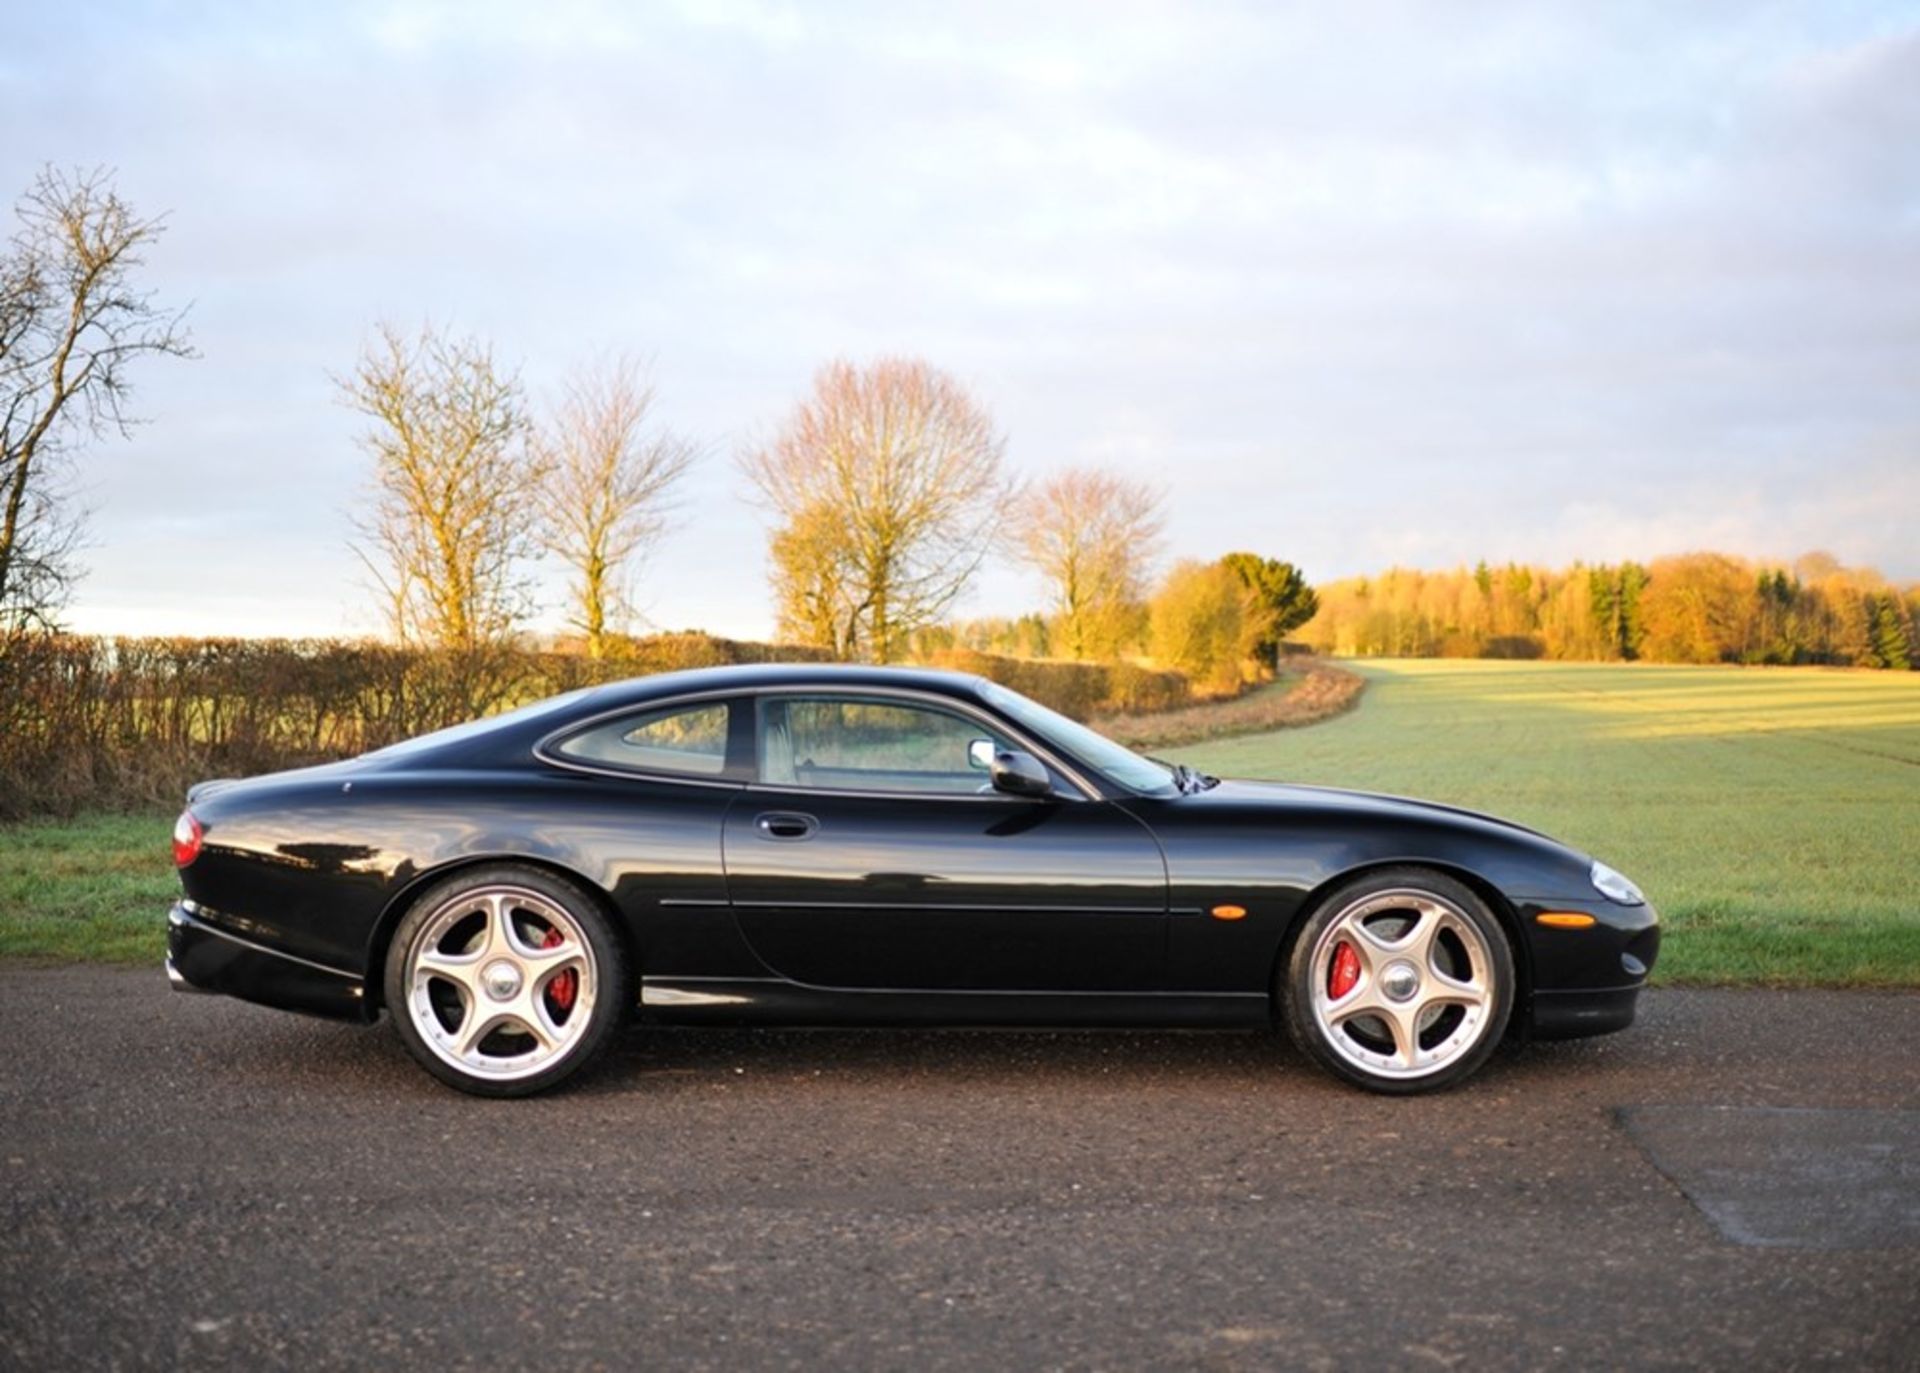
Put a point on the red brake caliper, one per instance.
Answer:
(1344, 972)
(562, 989)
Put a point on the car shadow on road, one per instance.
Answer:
(664, 1060)
(1228, 1062)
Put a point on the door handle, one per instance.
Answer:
(785, 824)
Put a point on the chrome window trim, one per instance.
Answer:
(542, 749)
(968, 709)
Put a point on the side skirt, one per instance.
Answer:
(722, 1001)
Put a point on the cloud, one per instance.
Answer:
(1374, 283)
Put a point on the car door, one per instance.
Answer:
(871, 852)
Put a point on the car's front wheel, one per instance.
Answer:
(1401, 981)
(506, 980)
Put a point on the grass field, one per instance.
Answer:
(1773, 815)
(93, 888)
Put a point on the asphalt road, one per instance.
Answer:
(190, 1180)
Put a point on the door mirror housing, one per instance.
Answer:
(1020, 774)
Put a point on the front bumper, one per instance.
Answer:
(202, 957)
(1573, 1015)
(1588, 981)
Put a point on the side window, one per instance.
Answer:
(689, 739)
(849, 743)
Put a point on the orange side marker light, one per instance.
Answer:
(1228, 912)
(1564, 920)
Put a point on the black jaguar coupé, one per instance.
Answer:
(832, 845)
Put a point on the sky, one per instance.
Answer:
(1357, 285)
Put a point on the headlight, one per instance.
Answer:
(1615, 887)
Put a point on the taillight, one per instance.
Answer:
(186, 839)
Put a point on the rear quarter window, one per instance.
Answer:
(686, 740)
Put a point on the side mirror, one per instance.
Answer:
(980, 755)
(1020, 774)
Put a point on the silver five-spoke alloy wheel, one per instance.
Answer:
(500, 982)
(1402, 984)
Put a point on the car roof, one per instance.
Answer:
(761, 676)
(504, 739)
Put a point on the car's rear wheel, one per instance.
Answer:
(1401, 981)
(506, 980)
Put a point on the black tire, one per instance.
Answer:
(535, 899)
(1381, 1062)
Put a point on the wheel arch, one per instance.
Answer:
(1496, 900)
(381, 940)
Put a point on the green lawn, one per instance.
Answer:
(94, 888)
(1772, 814)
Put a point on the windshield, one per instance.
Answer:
(1095, 750)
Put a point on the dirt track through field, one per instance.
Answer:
(190, 1180)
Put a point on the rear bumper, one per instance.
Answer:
(202, 957)
(178, 981)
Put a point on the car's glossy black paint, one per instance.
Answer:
(1091, 906)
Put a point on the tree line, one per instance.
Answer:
(1222, 624)
(1691, 608)
(886, 486)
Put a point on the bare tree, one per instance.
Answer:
(888, 484)
(608, 482)
(70, 322)
(453, 514)
(1094, 537)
